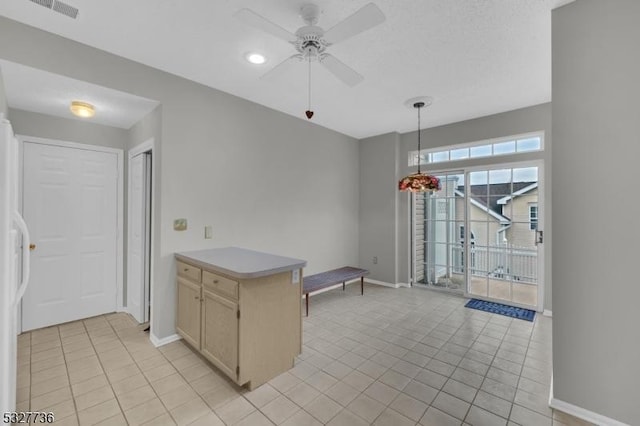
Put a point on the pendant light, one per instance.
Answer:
(419, 182)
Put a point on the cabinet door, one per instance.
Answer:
(188, 321)
(220, 332)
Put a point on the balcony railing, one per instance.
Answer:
(507, 263)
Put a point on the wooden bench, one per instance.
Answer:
(327, 279)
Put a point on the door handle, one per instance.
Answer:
(26, 256)
(539, 237)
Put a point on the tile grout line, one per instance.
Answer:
(143, 375)
(66, 367)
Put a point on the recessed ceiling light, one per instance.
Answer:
(82, 109)
(256, 58)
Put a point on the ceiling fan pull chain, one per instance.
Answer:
(308, 112)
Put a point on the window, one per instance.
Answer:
(533, 216)
(473, 237)
(503, 146)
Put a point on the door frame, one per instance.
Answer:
(146, 146)
(22, 139)
(537, 162)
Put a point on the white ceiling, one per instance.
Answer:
(473, 57)
(40, 91)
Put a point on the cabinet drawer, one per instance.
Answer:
(189, 271)
(220, 284)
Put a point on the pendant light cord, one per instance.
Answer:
(419, 146)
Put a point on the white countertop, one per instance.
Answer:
(241, 263)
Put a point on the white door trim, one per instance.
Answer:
(22, 139)
(146, 146)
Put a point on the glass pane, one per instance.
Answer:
(478, 178)
(504, 148)
(480, 151)
(458, 154)
(526, 174)
(439, 156)
(530, 144)
(413, 158)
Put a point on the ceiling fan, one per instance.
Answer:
(311, 41)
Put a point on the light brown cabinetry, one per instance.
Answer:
(251, 329)
(189, 295)
(220, 332)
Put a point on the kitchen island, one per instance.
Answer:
(241, 309)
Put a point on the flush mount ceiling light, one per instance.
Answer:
(82, 109)
(255, 58)
(419, 182)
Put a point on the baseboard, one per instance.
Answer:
(382, 283)
(547, 313)
(404, 285)
(157, 342)
(583, 413)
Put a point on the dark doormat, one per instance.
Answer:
(498, 308)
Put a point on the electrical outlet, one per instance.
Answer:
(375, 260)
(208, 232)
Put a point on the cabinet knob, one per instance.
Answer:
(197, 298)
(215, 281)
(32, 246)
(186, 269)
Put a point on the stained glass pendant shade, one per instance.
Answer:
(419, 181)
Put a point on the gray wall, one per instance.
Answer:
(46, 126)
(378, 206)
(148, 127)
(264, 180)
(3, 97)
(596, 131)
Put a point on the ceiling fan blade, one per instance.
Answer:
(251, 18)
(345, 73)
(282, 66)
(367, 17)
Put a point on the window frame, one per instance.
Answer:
(426, 156)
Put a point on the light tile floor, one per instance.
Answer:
(391, 357)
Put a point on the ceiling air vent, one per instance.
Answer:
(65, 9)
(59, 7)
(45, 3)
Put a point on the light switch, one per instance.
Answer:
(208, 232)
(180, 224)
(295, 276)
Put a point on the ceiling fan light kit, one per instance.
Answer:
(311, 41)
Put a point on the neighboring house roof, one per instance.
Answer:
(498, 216)
(524, 190)
(489, 195)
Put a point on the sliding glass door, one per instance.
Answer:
(481, 234)
(504, 217)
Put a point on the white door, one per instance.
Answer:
(70, 203)
(138, 238)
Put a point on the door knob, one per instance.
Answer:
(32, 246)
